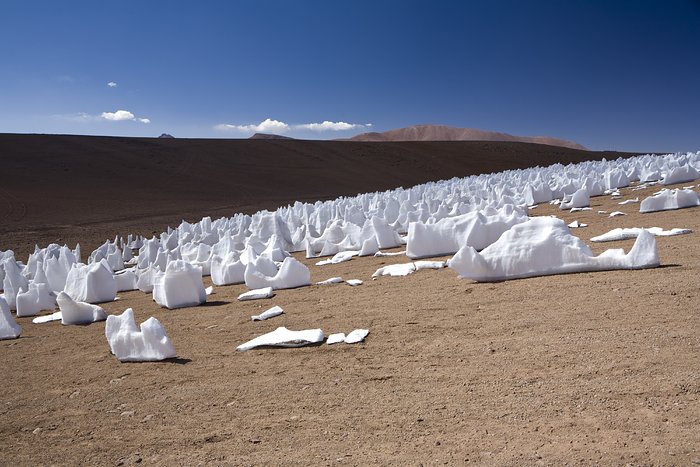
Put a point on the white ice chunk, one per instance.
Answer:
(353, 282)
(580, 209)
(227, 270)
(283, 337)
(624, 234)
(271, 313)
(129, 344)
(358, 335)
(9, 329)
(580, 199)
(628, 201)
(666, 200)
(576, 225)
(381, 254)
(38, 297)
(336, 338)
(395, 270)
(339, 257)
(407, 268)
(93, 283)
(73, 312)
(685, 173)
(544, 246)
(332, 280)
(429, 265)
(617, 213)
(126, 279)
(209, 290)
(292, 274)
(255, 294)
(57, 316)
(180, 286)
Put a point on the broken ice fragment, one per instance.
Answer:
(271, 313)
(255, 294)
(283, 337)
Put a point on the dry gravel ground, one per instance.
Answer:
(591, 368)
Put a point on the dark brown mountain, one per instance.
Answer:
(268, 136)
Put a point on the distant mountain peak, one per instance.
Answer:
(447, 133)
(268, 136)
(166, 135)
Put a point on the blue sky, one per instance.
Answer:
(607, 74)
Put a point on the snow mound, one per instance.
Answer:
(93, 283)
(38, 297)
(624, 234)
(354, 282)
(129, 344)
(580, 199)
(73, 312)
(9, 329)
(180, 286)
(283, 337)
(666, 200)
(544, 246)
(336, 338)
(227, 270)
(291, 274)
(339, 257)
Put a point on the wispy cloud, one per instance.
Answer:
(266, 126)
(112, 84)
(327, 125)
(275, 126)
(118, 116)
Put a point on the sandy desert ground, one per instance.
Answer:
(590, 368)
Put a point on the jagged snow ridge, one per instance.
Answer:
(226, 247)
(544, 246)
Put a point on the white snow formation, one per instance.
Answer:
(332, 280)
(38, 297)
(131, 344)
(576, 225)
(544, 246)
(580, 199)
(407, 268)
(336, 338)
(256, 294)
(179, 286)
(9, 329)
(283, 337)
(617, 213)
(666, 200)
(358, 335)
(92, 283)
(354, 282)
(432, 219)
(624, 234)
(271, 313)
(73, 312)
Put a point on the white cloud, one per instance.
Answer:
(327, 125)
(266, 126)
(118, 116)
(77, 117)
(112, 84)
(123, 115)
(275, 126)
